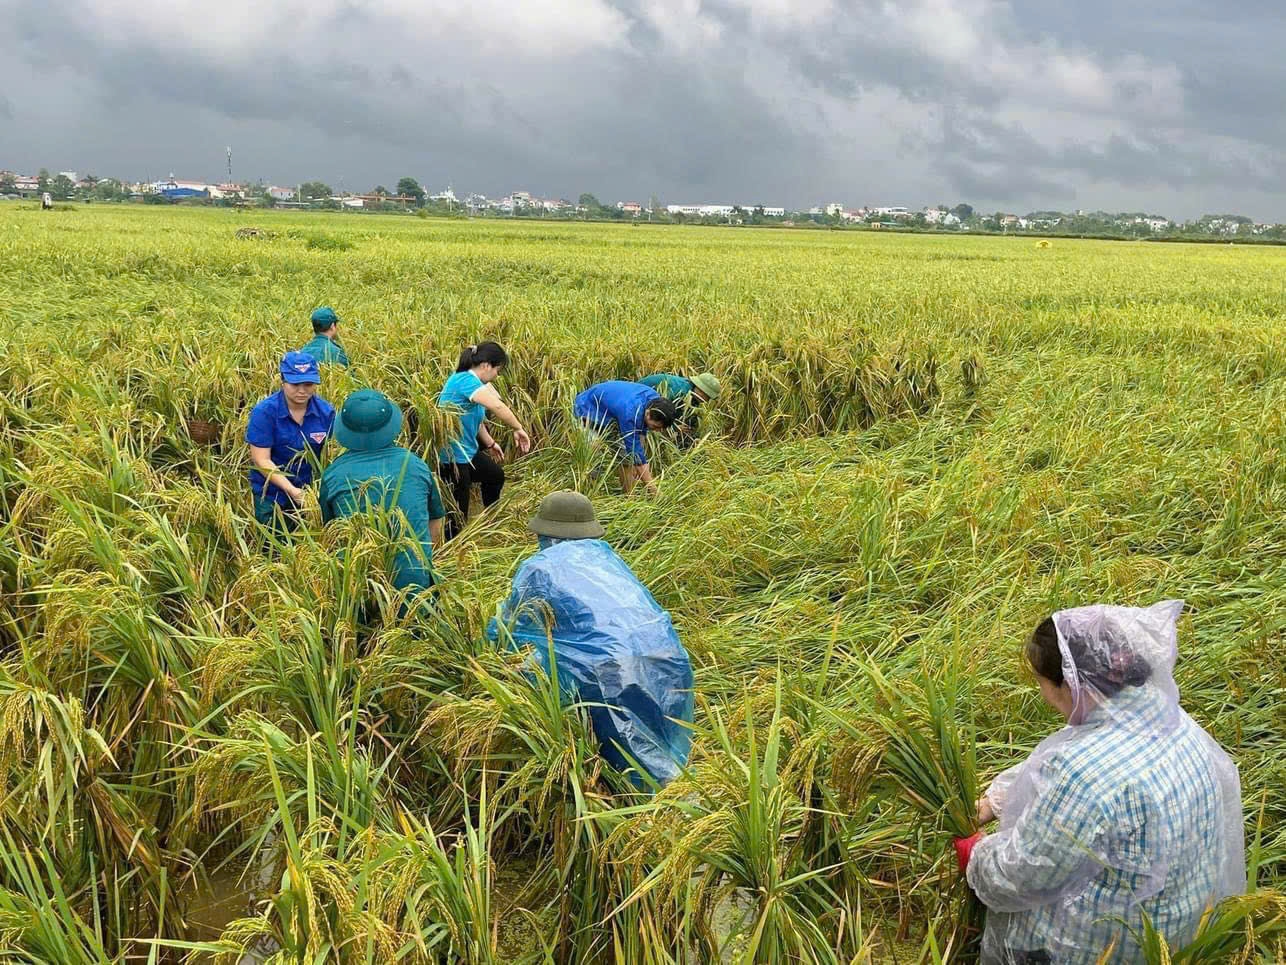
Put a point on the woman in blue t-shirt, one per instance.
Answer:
(473, 455)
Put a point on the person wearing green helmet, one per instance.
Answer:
(590, 622)
(325, 347)
(688, 394)
(375, 474)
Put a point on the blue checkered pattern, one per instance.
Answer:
(1126, 821)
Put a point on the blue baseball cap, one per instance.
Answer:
(299, 368)
(323, 318)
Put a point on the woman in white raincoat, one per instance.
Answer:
(1130, 809)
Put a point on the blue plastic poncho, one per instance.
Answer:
(614, 648)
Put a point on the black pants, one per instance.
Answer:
(460, 477)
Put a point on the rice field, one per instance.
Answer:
(925, 445)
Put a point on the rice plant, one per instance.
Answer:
(924, 446)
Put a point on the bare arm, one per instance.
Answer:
(487, 443)
(435, 532)
(644, 475)
(262, 458)
(490, 400)
(636, 474)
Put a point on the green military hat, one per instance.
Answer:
(707, 383)
(566, 515)
(323, 318)
(367, 420)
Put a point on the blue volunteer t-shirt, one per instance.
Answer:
(291, 444)
(622, 404)
(455, 395)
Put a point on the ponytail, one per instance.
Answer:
(484, 353)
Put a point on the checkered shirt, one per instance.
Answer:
(1126, 822)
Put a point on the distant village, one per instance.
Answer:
(409, 197)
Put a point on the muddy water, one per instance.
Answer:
(211, 904)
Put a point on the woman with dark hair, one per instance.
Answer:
(473, 455)
(284, 438)
(1131, 810)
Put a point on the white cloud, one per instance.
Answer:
(238, 29)
(768, 14)
(683, 25)
(978, 41)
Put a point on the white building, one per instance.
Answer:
(701, 210)
(177, 184)
(892, 211)
(940, 216)
(767, 210)
(447, 196)
(281, 194)
(834, 209)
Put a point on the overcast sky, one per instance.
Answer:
(1172, 106)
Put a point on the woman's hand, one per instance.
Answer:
(964, 849)
(497, 453)
(489, 399)
(985, 812)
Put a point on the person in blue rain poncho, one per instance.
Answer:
(614, 648)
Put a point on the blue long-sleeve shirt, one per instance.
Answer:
(621, 404)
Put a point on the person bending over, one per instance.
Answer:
(625, 412)
(473, 455)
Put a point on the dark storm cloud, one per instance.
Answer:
(986, 157)
(1180, 105)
